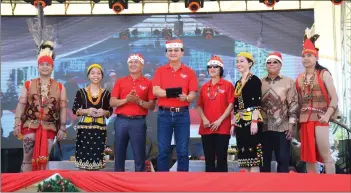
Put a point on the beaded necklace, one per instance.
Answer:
(239, 87)
(308, 84)
(90, 95)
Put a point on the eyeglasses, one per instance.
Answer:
(212, 66)
(275, 62)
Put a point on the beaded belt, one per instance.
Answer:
(88, 119)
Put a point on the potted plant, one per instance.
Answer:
(232, 151)
(107, 152)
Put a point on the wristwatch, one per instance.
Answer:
(141, 102)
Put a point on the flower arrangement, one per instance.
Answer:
(232, 150)
(108, 151)
(57, 184)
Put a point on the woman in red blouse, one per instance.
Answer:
(215, 104)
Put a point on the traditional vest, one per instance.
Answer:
(49, 113)
(310, 108)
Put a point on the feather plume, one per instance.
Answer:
(47, 49)
(307, 33)
(35, 29)
(314, 38)
(310, 34)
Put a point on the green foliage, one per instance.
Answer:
(57, 185)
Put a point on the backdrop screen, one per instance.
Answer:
(108, 40)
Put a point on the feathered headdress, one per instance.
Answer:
(46, 52)
(47, 49)
(42, 35)
(309, 41)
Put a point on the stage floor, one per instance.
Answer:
(194, 166)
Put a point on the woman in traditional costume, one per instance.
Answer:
(318, 101)
(92, 106)
(247, 116)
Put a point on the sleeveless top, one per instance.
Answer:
(48, 114)
(311, 108)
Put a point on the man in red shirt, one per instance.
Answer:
(132, 95)
(215, 104)
(175, 85)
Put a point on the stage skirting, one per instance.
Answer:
(183, 181)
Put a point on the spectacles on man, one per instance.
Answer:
(212, 66)
(275, 62)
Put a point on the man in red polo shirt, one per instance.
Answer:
(132, 95)
(173, 111)
(215, 104)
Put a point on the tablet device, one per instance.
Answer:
(173, 92)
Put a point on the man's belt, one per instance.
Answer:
(131, 116)
(174, 109)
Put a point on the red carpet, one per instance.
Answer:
(179, 182)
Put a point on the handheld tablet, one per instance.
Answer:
(173, 92)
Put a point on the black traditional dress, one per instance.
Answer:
(91, 132)
(246, 101)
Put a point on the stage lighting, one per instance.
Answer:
(337, 2)
(96, 1)
(118, 5)
(43, 3)
(269, 3)
(194, 5)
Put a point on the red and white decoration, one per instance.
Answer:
(136, 57)
(174, 44)
(275, 55)
(216, 60)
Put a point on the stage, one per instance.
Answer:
(182, 181)
(194, 166)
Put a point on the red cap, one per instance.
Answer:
(275, 55)
(308, 47)
(174, 44)
(216, 60)
(136, 56)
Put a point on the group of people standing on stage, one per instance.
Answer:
(261, 113)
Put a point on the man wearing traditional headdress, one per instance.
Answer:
(175, 85)
(319, 103)
(40, 113)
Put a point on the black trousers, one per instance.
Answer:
(215, 147)
(273, 141)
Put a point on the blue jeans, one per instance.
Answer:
(167, 123)
(135, 131)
